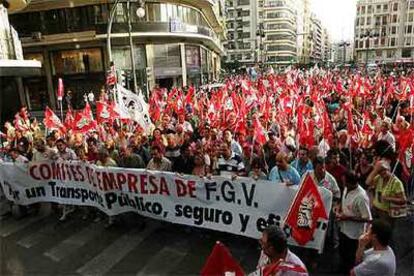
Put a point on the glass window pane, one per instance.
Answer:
(77, 61)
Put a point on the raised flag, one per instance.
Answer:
(221, 262)
(69, 119)
(84, 121)
(60, 90)
(259, 132)
(131, 106)
(105, 112)
(305, 212)
(52, 121)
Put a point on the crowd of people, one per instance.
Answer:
(352, 132)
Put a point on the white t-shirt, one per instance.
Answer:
(380, 262)
(354, 204)
(389, 137)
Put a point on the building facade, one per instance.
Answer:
(384, 31)
(13, 67)
(175, 43)
(274, 32)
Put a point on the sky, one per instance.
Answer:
(337, 16)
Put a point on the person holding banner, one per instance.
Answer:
(283, 172)
(275, 256)
(158, 161)
(229, 163)
(64, 153)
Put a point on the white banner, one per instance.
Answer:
(243, 206)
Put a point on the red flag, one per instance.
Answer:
(280, 266)
(111, 77)
(221, 261)
(105, 112)
(84, 121)
(52, 121)
(306, 210)
(69, 120)
(259, 132)
(60, 90)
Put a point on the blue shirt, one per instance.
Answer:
(290, 174)
(300, 168)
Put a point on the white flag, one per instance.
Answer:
(133, 106)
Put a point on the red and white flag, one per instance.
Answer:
(60, 90)
(69, 119)
(84, 121)
(105, 112)
(52, 121)
(305, 212)
(221, 262)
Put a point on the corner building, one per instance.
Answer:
(176, 43)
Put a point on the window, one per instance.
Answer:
(77, 61)
(409, 29)
(368, 20)
(167, 55)
(393, 30)
(406, 53)
(390, 53)
(363, 10)
(392, 42)
(410, 17)
(394, 18)
(192, 56)
(369, 9)
(395, 7)
(385, 7)
(378, 8)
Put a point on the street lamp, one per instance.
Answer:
(140, 12)
(372, 33)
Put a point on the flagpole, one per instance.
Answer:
(61, 110)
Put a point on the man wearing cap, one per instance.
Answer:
(388, 190)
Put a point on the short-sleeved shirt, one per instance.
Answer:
(164, 165)
(291, 174)
(329, 183)
(392, 188)
(377, 262)
(354, 203)
(302, 169)
(233, 165)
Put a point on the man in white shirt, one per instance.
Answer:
(380, 259)
(275, 257)
(353, 214)
(17, 157)
(386, 134)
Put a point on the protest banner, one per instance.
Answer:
(242, 206)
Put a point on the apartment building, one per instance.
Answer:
(276, 32)
(384, 31)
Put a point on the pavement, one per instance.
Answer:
(41, 245)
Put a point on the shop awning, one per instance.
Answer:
(19, 68)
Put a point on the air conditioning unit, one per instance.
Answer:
(37, 35)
